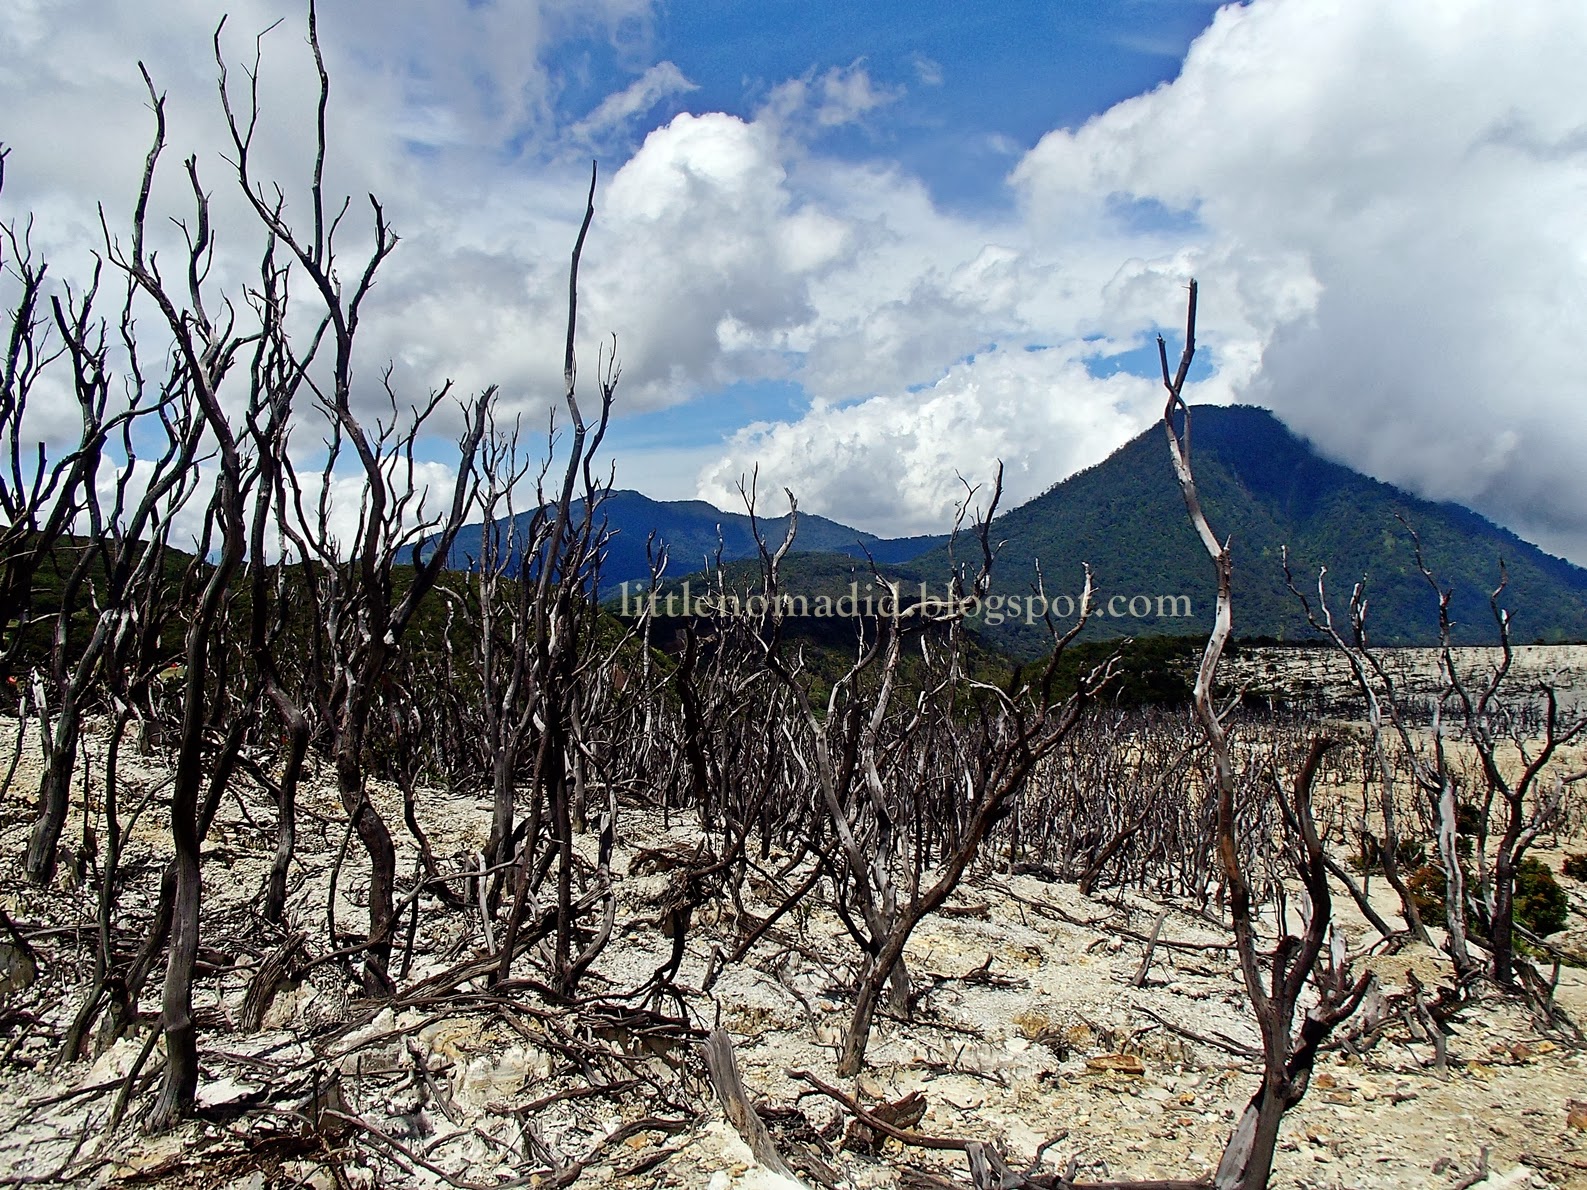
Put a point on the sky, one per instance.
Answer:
(872, 248)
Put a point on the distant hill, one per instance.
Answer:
(1262, 486)
(692, 531)
(1266, 488)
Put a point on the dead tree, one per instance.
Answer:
(1527, 804)
(208, 345)
(510, 542)
(40, 497)
(104, 570)
(365, 617)
(1485, 712)
(1287, 1053)
(865, 756)
(1377, 688)
(845, 742)
(363, 613)
(278, 569)
(126, 552)
(555, 710)
(730, 762)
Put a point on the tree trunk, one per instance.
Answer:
(562, 828)
(176, 1007)
(1248, 1158)
(887, 968)
(180, 1085)
(1501, 931)
(55, 793)
(376, 839)
(1454, 879)
(503, 789)
(858, 1035)
(286, 819)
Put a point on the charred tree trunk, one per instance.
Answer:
(286, 817)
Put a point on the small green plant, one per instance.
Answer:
(1426, 886)
(1540, 903)
(1410, 853)
(1575, 865)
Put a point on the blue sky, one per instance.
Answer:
(976, 86)
(869, 248)
(969, 92)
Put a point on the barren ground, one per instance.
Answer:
(1029, 1030)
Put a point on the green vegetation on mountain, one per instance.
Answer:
(1267, 489)
(1263, 487)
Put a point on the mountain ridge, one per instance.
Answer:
(1264, 488)
(693, 530)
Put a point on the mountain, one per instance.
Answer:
(692, 531)
(1265, 488)
(1262, 487)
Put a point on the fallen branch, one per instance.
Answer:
(1221, 1042)
(735, 1103)
(1151, 946)
(984, 1158)
(559, 1178)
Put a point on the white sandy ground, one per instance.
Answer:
(1046, 1049)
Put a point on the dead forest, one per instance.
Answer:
(345, 868)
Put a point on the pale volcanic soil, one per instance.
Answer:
(1029, 1031)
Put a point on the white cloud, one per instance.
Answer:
(847, 94)
(927, 71)
(659, 82)
(892, 464)
(1415, 172)
(432, 105)
(1383, 206)
(704, 257)
(837, 96)
(1382, 203)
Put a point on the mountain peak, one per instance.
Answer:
(1268, 490)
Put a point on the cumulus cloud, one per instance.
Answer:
(1411, 179)
(432, 109)
(829, 99)
(899, 463)
(1382, 203)
(705, 258)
